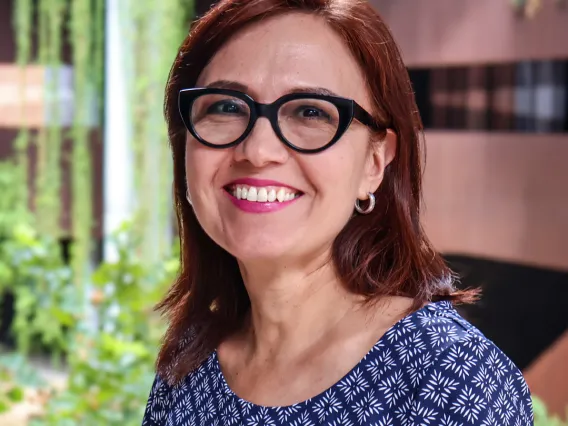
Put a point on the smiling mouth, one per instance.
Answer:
(262, 194)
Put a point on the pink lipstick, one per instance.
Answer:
(264, 196)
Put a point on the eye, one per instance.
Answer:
(311, 112)
(226, 107)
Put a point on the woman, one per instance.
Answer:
(309, 294)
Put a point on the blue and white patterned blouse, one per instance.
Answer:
(431, 368)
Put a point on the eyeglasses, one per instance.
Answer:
(306, 122)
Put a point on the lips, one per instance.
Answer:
(262, 191)
(262, 194)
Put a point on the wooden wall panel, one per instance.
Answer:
(442, 32)
(498, 195)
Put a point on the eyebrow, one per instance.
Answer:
(234, 85)
(227, 84)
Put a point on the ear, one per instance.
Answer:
(380, 155)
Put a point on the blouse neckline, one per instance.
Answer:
(434, 307)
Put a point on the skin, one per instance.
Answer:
(304, 331)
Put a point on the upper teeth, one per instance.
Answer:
(263, 194)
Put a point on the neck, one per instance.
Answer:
(293, 307)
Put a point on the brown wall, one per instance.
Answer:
(436, 32)
(497, 195)
(22, 96)
(7, 45)
(547, 377)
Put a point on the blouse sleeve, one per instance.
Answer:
(472, 383)
(159, 404)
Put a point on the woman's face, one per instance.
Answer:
(271, 59)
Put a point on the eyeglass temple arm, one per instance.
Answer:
(364, 117)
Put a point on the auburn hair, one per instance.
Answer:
(383, 253)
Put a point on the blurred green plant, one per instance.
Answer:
(12, 201)
(43, 23)
(46, 302)
(110, 340)
(112, 354)
(16, 374)
(32, 269)
(152, 31)
(543, 418)
(531, 8)
(99, 324)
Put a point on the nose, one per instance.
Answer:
(262, 146)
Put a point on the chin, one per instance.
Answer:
(291, 250)
(257, 239)
(252, 250)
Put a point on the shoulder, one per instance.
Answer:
(419, 339)
(202, 384)
(159, 403)
(457, 375)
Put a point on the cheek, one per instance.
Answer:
(201, 167)
(333, 204)
(340, 170)
(193, 170)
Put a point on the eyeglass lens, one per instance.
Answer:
(306, 123)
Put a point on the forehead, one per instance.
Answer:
(285, 52)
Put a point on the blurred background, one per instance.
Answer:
(87, 237)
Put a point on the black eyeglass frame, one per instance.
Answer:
(348, 110)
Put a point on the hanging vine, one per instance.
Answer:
(22, 22)
(98, 29)
(48, 205)
(122, 290)
(169, 19)
(157, 30)
(86, 39)
(81, 177)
